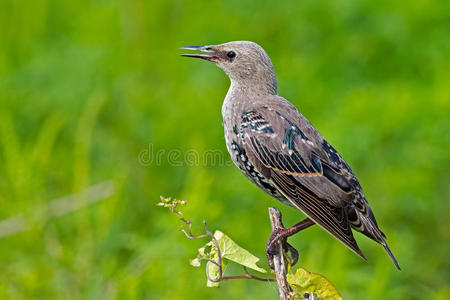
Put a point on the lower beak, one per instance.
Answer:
(208, 56)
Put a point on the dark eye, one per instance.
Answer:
(231, 54)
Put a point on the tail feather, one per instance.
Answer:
(367, 225)
(389, 252)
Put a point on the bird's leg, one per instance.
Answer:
(281, 234)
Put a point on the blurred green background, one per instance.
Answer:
(94, 92)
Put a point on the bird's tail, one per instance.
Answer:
(389, 252)
(367, 225)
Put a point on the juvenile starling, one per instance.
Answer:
(279, 150)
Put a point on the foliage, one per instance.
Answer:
(217, 252)
(229, 251)
(303, 281)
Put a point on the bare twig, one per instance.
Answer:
(248, 276)
(279, 261)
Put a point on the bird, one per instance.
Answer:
(280, 151)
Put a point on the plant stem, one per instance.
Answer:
(279, 260)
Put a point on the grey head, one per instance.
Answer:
(245, 63)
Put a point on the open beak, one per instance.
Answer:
(208, 56)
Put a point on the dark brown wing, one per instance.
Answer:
(300, 169)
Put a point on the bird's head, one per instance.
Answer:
(246, 63)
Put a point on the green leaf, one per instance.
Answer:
(307, 282)
(230, 251)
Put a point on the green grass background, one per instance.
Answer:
(85, 86)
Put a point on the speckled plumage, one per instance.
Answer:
(279, 150)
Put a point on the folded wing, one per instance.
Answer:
(301, 170)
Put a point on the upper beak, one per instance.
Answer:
(208, 49)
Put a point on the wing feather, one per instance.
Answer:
(298, 173)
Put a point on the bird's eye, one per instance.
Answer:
(231, 54)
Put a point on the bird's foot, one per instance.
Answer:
(280, 235)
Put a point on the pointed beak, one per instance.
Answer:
(209, 55)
